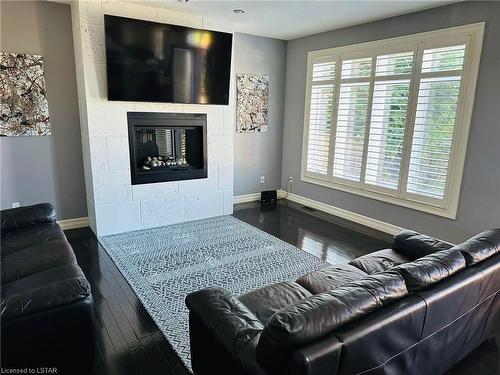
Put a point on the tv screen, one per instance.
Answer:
(154, 62)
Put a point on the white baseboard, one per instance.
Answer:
(345, 214)
(281, 194)
(79, 222)
(246, 198)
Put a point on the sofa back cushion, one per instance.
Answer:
(30, 236)
(481, 246)
(319, 315)
(415, 245)
(330, 278)
(22, 217)
(379, 261)
(430, 269)
(265, 301)
(30, 260)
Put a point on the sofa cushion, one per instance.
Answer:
(27, 261)
(330, 278)
(16, 218)
(379, 261)
(320, 314)
(264, 302)
(415, 245)
(430, 269)
(43, 291)
(29, 236)
(481, 246)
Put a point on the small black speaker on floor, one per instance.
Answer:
(268, 197)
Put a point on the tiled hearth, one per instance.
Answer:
(114, 204)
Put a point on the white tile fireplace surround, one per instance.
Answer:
(114, 204)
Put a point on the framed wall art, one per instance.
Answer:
(252, 100)
(24, 110)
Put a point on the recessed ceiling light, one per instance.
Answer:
(238, 11)
(183, 1)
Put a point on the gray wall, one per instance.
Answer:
(50, 168)
(479, 206)
(259, 154)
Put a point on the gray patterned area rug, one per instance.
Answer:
(163, 265)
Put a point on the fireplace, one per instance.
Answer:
(167, 146)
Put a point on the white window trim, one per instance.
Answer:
(449, 205)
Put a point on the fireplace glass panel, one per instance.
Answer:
(167, 146)
(168, 149)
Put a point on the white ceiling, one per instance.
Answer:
(284, 19)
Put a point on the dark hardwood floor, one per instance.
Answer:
(128, 341)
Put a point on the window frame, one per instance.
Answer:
(472, 36)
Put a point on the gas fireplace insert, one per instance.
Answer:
(167, 146)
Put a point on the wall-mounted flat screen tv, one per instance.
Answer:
(154, 62)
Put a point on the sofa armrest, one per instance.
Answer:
(62, 337)
(319, 358)
(231, 324)
(21, 217)
(415, 245)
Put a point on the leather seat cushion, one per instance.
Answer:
(415, 245)
(481, 246)
(43, 291)
(264, 302)
(379, 261)
(330, 278)
(30, 236)
(430, 269)
(44, 255)
(320, 314)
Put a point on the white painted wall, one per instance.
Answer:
(114, 205)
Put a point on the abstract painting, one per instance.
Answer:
(24, 110)
(252, 99)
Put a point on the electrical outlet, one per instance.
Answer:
(262, 179)
(15, 204)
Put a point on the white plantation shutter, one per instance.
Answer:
(351, 118)
(323, 71)
(390, 121)
(387, 130)
(356, 68)
(320, 117)
(443, 59)
(394, 64)
(435, 120)
(350, 132)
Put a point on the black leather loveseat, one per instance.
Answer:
(417, 308)
(46, 305)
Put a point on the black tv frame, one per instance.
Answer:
(149, 100)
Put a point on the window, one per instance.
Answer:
(390, 119)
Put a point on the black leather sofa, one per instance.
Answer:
(417, 308)
(47, 311)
